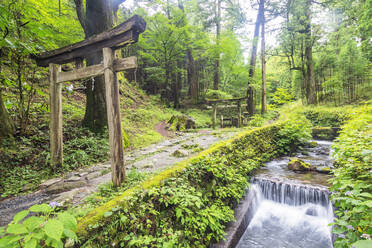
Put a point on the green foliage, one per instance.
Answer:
(25, 162)
(217, 94)
(296, 131)
(43, 228)
(352, 181)
(325, 117)
(202, 117)
(281, 96)
(85, 148)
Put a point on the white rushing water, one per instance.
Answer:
(288, 216)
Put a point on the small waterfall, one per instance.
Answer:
(287, 214)
(291, 194)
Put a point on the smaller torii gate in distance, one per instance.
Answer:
(214, 104)
(122, 35)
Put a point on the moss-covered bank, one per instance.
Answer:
(189, 204)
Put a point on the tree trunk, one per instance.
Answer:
(192, 77)
(252, 64)
(310, 80)
(216, 78)
(263, 96)
(96, 18)
(6, 124)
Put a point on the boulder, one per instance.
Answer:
(296, 164)
(181, 123)
(180, 153)
(325, 133)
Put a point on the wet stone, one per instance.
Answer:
(50, 182)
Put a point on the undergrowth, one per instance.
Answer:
(352, 181)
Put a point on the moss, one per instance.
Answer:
(325, 170)
(253, 142)
(297, 164)
(326, 133)
(126, 142)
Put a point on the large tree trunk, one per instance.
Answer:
(310, 79)
(6, 124)
(216, 77)
(263, 62)
(96, 18)
(252, 64)
(192, 77)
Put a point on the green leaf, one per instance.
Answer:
(367, 203)
(362, 244)
(20, 216)
(69, 221)
(32, 223)
(16, 229)
(31, 243)
(70, 234)
(107, 214)
(43, 208)
(10, 43)
(54, 229)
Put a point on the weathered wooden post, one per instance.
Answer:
(239, 114)
(56, 137)
(214, 117)
(221, 121)
(113, 117)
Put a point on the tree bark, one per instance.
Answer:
(193, 77)
(6, 124)
(216, 77)
(263, 62)
(252, 64)
(96, 18)
(310, 80)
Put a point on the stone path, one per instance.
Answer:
(76, 186)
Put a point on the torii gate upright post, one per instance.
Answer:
(107, 42)
(113, 117)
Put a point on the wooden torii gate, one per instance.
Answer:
(214, 104)
(122, 35)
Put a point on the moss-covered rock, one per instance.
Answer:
(325, 133)
(180, 153)
(325, 170)
(181, 123)
(297, 164)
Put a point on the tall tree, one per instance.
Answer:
(97, 16)
(216, 77)
(252, 63)
(263, 61)
(309, 76)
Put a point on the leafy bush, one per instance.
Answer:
(324, 117)
(217, 94)
(352, 181)
(296, 131)
(44, 228)
(281, 96)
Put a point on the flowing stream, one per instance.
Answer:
(289, 209)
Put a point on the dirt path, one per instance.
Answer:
(161, 128)
(76, 186)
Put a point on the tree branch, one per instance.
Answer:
(81, 13)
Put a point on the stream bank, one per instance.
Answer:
(284, 208)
